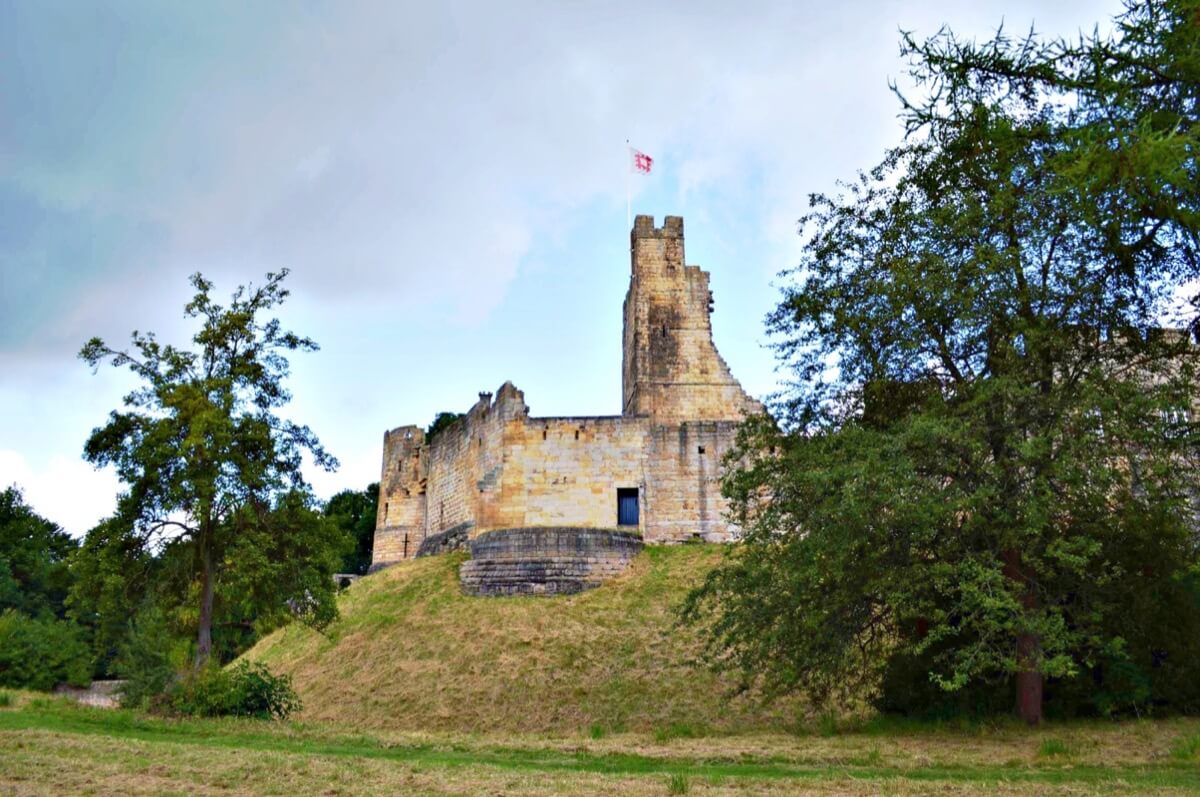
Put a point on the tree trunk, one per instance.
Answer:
(1029, 677)
(204, 635)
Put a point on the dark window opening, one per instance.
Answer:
(664, 330)
(543, 434)
(385, 511)
(405, 554)
(700, 450)
(576, 434)
(627, 506)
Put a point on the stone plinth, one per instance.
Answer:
(546, 561)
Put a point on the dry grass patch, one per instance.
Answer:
(412, 652)
(37, 762)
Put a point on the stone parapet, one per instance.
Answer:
(546, 561)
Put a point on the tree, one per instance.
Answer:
(113, 577)
(199, 445)
(354, 511)
(440, 422)
(34, 554)
(38, 646)
(986, 455)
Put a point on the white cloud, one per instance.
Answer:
(69, 492)
(408, 162)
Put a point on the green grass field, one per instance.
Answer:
(418, 689)
(49, 747)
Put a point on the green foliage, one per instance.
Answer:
(442, 421)
(983, 470)
(34, 577)
(40, 653)
(200, 446)
(6, 699)
(596, 731)
(113, 576)
(354, 512)
(244, 689)
(149, 657)
(280, 565)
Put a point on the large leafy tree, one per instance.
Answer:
(199, 444)
(354, 511)
(34, 557)
(986, 459)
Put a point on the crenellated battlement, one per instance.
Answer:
(643, 227)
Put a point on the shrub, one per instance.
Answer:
(678, 784)
(147, 660)
(246, 689)
(39, 653)
(6, 700)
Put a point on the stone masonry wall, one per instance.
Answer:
(683, 474)
(566, 471)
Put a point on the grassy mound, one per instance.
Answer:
(411, 652)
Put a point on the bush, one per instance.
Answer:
(40, 653)
(147, 660)
(246, 689)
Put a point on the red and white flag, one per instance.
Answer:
(641, 162)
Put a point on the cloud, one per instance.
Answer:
(410, 151)
(443, 179)
(67, 491)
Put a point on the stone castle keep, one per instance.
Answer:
(651, 471)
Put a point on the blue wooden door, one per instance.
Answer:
(627, 507)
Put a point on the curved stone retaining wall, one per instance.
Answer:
(546, 561)
(454, 539)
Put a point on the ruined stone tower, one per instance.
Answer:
(671, 369)
(652, 471)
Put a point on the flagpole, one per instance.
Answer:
(628, 189)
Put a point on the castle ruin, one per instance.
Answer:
(652, 471)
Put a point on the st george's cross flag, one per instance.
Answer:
(641, 161)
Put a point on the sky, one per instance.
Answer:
(447, 183)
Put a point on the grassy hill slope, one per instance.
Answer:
(411, 652)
